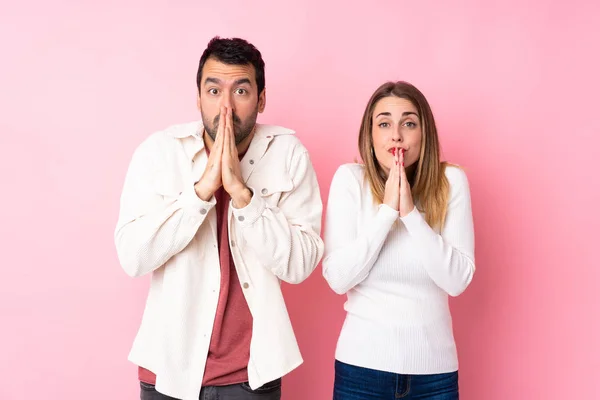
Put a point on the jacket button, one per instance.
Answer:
(241, 218)
(203, 211)
(246, 286)
(251, 162)
(264, 191)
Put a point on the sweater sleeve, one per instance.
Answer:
(448, 257)
(350, 250)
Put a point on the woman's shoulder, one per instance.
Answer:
(349, 186)
(350, 172)
(457, 177)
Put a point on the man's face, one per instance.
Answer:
(231, 86)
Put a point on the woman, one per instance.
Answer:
(399, 239)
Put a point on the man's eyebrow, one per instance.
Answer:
(212, 80)
(242, 81)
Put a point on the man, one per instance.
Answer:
(219, 211)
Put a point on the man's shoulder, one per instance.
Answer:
(273, 130)
(281, 138)
(178, 131)
(162, 138)
(276, 133)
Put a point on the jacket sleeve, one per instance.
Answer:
(151, 229)
(286, 239)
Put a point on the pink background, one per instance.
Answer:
(514, 88)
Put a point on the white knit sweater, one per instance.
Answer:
(397, 273)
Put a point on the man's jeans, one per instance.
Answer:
(241, 391)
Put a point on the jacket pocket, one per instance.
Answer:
(271, 186)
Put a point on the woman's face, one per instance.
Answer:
(396, 126)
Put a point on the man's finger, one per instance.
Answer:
(221, 122)
(218, 142)
(230, 131)
(225, 141)
(221, 130)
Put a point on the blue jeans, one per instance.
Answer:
(357, 383)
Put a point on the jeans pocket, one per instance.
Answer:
(442, 386)
(268, 387)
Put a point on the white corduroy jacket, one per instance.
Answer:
(165, 229)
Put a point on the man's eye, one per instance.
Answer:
(213, 91)
(240, 91)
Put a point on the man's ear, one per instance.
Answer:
(262, 100)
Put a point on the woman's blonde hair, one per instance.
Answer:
(429, 186)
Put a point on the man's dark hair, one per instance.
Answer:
(234, 51)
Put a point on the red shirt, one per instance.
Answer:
(229, 350)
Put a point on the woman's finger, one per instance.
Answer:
(403, 179)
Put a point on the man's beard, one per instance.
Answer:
(241, 129)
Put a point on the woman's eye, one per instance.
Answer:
(384, 125)
(410, 124)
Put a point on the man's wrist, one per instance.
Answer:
(241, 198)
(202, 193)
